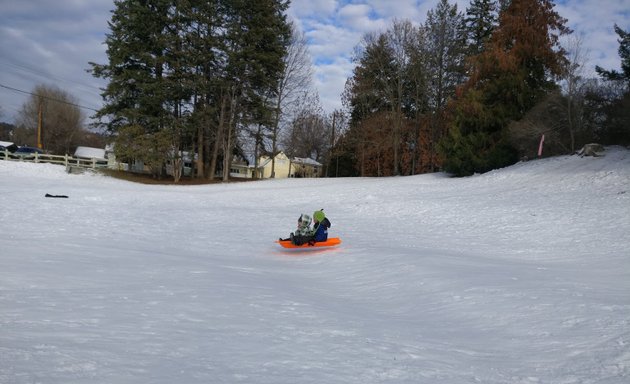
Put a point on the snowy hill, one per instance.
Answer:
(521, 275)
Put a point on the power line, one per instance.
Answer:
(27, 72)
(47, 97)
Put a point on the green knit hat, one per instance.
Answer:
(319, 216)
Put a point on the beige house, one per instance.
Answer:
(284, 167)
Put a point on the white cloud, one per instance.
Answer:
(595, 21)
(330, 80)
(329, 42)
(410, 9)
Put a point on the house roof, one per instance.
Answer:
(90, 153)
(306, 161)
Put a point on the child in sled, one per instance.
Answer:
(305, 235)
(303, 228)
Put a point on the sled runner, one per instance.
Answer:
(332, 241)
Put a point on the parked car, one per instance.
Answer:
(6, 151)
(26, 153)
(6, 146)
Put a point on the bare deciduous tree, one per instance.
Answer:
(295, 80)
(548, 118)
(309, 132)
(574, 85)
(58, 116)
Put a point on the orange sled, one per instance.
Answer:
(332, 241)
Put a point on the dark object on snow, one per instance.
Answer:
(57, 196)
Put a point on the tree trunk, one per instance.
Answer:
(217, 140)
(231, 127)
(200, 151)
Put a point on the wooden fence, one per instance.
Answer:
(71, 163)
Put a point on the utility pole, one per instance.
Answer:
(39, 124)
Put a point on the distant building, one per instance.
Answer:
(283, 167)
(305, 167)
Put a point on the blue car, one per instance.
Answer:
(26, 153)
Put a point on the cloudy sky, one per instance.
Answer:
(44, 42)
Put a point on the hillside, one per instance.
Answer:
(520, 275)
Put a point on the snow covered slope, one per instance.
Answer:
(521, 275)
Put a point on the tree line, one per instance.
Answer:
(472, 91)
(186, 75)
(463, 92)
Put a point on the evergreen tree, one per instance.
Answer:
(199, 63)
(513, 74)
(418, 156)
(365, 89)
(624, 54)
(481, 20)
(136, 53)
(446, 42)
(399, 90)
(138, 97)
(257, 35)
(374, 102)
(192, 71)
(615, 126)
(446, 53)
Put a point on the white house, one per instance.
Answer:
(283, 167)
(305, 167)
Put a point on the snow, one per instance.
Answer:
(520, 275)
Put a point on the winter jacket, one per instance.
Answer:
(321, 230)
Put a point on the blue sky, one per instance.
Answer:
(46, 42)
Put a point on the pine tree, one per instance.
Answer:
(258, 35)
(624, 54)
(481, 20)
(369, 97)
(136, 95)
(515, 72)
(174, 65)
(615, 126)
(136, 64)
(446, 49)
